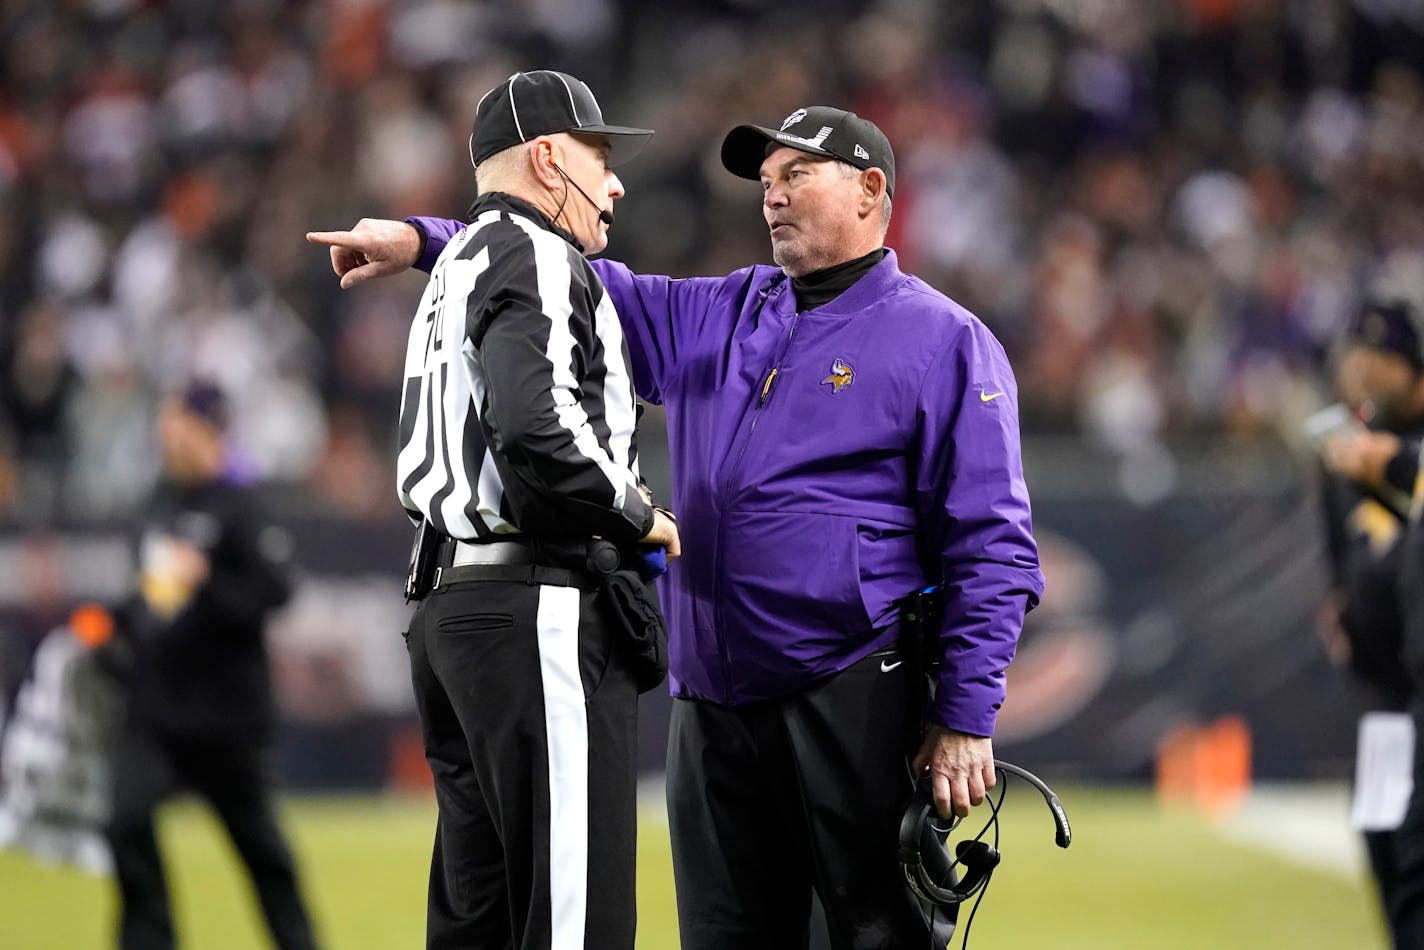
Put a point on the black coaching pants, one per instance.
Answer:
(529, 716)
(230, 772)
(769, 800)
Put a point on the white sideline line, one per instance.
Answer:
(652, 800)
(1307, 824)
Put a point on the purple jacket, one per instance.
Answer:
(825, 464)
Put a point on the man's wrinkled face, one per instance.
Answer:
(811, 207)
(587, 164)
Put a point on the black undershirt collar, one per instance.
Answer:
(521, 206)
(819, 288)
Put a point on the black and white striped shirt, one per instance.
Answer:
(518, 413)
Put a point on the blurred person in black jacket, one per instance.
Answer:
(200, 708)
(1371, 460)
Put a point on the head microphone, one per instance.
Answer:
(605, 216)
(1063, 832)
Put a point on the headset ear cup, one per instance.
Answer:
(976, 855)
(978, 859)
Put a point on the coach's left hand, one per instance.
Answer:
(962, 767)
(374, 248)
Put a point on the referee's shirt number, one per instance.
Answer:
(435, 316)
(444, 322)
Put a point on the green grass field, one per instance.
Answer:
(1135, 877)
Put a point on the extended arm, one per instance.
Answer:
(660, 316)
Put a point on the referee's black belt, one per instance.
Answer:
(493, 552)
(532, 561)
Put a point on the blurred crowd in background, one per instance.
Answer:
(1166, 210)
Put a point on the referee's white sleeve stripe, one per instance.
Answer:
(555, 283)
(618, 400)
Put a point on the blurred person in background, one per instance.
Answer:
(518, 459)
(37, 386)
(841, 435)
(1370, 457)
(191, 653)
(54, 754)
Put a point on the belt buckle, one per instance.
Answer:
(438, 571)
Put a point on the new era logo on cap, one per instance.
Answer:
(820, 130)
(542, 102)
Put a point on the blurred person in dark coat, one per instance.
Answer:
(192, 655)
(1371, 459)
(38, 382)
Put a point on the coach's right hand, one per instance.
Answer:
(376, 247)
(663, 532)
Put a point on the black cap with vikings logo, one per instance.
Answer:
(820, 130)
(542, 102)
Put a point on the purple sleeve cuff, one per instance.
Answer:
(436, 233)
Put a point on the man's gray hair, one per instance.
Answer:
(501, 169)
(850, 171)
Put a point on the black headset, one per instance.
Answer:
(931, 872)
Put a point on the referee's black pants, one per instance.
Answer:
(770, 800)
(529, 715)
(230, 772)
(1402, 880)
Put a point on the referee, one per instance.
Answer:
(517, 449)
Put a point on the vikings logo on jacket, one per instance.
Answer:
(842, 375)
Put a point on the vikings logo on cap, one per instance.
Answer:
(842, 375)
(792, 119)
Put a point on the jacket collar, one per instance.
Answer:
(503, 201)
(875, 285)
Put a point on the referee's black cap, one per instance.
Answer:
(542, 102)
(819, 130)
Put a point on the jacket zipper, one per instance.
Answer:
(767, 386)
(734, 471)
